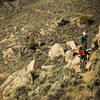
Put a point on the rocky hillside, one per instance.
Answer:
(35, 35)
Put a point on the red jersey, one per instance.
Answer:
(80, 53)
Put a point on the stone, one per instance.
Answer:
(25, 29)
(68, 55)
(9, 53)
(44, 32)
(72, 62)
(76, 61)
(56, 51)
(31, 66)
(18, 78)
(71, 44)
(48, 67)
(4, 75)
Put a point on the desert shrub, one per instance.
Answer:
(66, 97)
(91, 84)
(93, 63)
(97, 70)
(20, 93)
(55, 95)
(97, 95)
(76, 81)
(42, 80)
(83, 19)
(44, 89)
(31, 43)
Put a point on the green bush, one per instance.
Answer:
(32, 43)
(93, 64)
(44, 89)
(55, 95)
(21, 92)
(83, 19)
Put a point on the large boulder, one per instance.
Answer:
(19, 78)
(72, 62)
(68, 55)
(71, 44)
(56, 50)
(76, 61)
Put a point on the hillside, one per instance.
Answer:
(29, 29)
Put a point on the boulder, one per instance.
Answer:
(68, 55)
(71, 44)
(31, 66)
(76, 61)
(56, 51)
(48, 67)
(19, 78)
(72, 62)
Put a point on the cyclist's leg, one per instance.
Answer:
(82, 65)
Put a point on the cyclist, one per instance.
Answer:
(83, 39)
(83, 58)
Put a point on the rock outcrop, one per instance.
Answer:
(56, 50)
(96, 41)
(71, 44)
(68, 55)
(19, 78)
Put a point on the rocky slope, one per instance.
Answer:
(28, 29)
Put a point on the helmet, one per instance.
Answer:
(84, 33)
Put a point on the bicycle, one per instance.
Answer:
(83, 64)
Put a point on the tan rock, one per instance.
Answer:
(76, 61)
(48, 67)
(56, 50)
(19, 78)
(9, 53)
(31, 66)
(68, 55)
(4, 75)
(44, 32)
(71, 44)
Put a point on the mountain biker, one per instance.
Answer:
(83, 39)
(83, 57)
